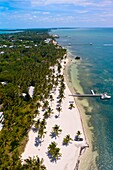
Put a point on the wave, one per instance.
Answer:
(108, 44)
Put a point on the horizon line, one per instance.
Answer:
(16, 29)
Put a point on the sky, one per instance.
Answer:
(55, 13)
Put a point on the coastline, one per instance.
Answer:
(70, 121)
(87, 157)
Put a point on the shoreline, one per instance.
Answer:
(86, 159)
(67, 121)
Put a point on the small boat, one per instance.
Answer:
(69, 44)
(105, 96)
(92, 92)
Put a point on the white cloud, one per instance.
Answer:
(45, 13)
(40, 12)
(95, 3)
(57, 12)
(81, 11)
(48, 2)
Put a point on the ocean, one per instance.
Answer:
(95, 71)
(8, 31)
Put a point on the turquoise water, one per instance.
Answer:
(95, 47)
(8, 32)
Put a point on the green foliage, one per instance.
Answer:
(48, 113)
(42, 127)
(67, 139)
(71, 106)
(54, 152)
(26, 63)
(37, 124)
(77, 137)
(78, 133)
(34, 163)
(56, 130)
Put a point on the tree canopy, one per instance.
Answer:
(25, 60)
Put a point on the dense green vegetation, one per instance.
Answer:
(54, 152)
(25, 60)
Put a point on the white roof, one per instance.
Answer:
(4, 83)
(31, 91)
(2, 52)
(23, 94)
(1, 113)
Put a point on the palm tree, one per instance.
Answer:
(61, 95)
(41, 98)
(48, 113)
(59, 110)
(36, 112)
(54, 152)
(56, 130)
(71, 106)
(46, 103)
(56, 82)
(38, 105)
(43, 123)
(51, 99)
(62, 84)
(41, 133)
(78, 133)
(59, 67)
(42, 127)
(66, 140)
(52, 146)
(34, 163)
(77, 137)
(37, 124)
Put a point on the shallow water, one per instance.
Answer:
(95, 71)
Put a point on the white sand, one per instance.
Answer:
(70, 123)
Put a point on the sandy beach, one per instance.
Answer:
(69, 121)
(87, 159)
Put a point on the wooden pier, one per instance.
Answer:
(93, 94)
(86, 95)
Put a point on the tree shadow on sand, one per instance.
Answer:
(53, 135)
(54, 160)
(57, 116)
(34, 129)
(77, 138)
(66, 144)
(38, 141)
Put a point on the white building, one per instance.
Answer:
(2, 52)
(31, 91)
(4, 83)
(4, 45)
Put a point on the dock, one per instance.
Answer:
(86, 95)
(93, 94)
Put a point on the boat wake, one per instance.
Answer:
(108, 44)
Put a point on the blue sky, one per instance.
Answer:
(55, 13)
